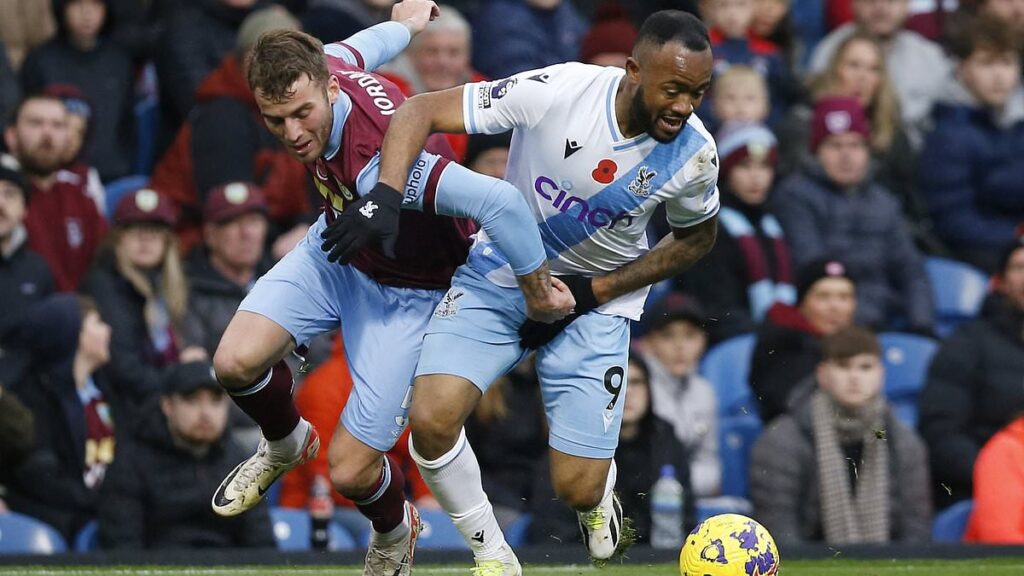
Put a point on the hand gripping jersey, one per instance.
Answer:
(591, 190)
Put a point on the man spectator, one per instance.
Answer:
(974, 383)
(63, 223)
(835, 207)
(973, 181)
(516, 35)
(224, 140)
(157, 493)
(918, 68)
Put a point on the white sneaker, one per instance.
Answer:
(606, 533)
(507, 565)
(246, 485)
(394, 559)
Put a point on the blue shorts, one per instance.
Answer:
(474, 334)
(382, 328)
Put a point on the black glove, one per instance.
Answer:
(371, 218)
(534, 334)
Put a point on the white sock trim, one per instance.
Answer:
(383, 486)
(255, 387)
(441, 462)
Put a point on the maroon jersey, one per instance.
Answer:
(430, 247)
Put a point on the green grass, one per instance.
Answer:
(994, 567)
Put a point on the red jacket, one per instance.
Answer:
(320, 400)
(998, 516)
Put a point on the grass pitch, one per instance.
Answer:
(837, 567)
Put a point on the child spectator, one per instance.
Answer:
(740, 96)
(974, 181)
(840, 468)
(998, 514)
(749, 269)
(675, 340)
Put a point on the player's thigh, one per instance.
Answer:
(355, 466)
(582, 375)
(382, 328)
(250, 345)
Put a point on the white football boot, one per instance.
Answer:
(394, 559)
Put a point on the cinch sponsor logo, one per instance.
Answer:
(374, 88)
(547, 189)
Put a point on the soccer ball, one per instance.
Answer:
(729, 545)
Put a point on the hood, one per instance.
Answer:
(226, 81)
(151, 429)
(1009, 321)
(956, 98)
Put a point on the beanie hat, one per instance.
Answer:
(810, 273)
(611, 32)
(740, 140)
(835, 116)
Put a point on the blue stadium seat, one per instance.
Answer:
(736, 436)
(727, 368)
(118, 188)
(88, 538)
(291, 528)
(339, 539)
(958, 290)
(906, 358)
(515, 533)
(951, 523)
(20, 534)
(439, 532)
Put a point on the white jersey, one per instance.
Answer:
(591, 190)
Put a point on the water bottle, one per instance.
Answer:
(321, 508)
(667, 510)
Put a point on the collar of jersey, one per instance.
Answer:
(619, 142)
(341, 107)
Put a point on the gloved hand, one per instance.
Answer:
(534, 334)
(371, 218)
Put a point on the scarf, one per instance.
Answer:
(852, 516)
(766, 284)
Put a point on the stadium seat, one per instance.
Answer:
(727, 368)
(958, 290)
(118, 188)
(736, 436)
(21, 534)
(439, 533)
(515, 533)
(291, 528)
(906, 358)
(339, 539)
(88, 537)
(951, 523)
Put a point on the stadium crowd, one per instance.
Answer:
(862, 143)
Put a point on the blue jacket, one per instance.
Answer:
(972, 175)
(863, 227)
(509, 37)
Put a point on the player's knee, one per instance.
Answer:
(233, 369)
(432, 434)
(581, 496)
(350, 481)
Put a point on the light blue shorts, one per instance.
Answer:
(382, 327)
(474, 334)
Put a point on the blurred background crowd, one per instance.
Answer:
(846, 364)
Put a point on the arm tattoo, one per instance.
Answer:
(536, 284)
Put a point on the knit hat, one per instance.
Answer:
(189, 377)
(232, 200)
(611, 32)
(834, 116)
(672, 307)
(261, 22)
(477, 144)
(145, 205)
(14, 177)
(809, 274)
(740, 140)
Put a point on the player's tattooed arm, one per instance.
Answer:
(547, 298)
(410, 127)
(673, 255)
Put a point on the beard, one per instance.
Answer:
(42, 161)
(641, 119)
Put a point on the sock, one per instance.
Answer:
(268, 401)
(289, 447)
(454, 478)
(609, 487)
(384, 504)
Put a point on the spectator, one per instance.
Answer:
(773, 23)
(974, 383)
(79, 120)
(333, 20)
(321, 399)
(610, 38)
(788, 341)
(142, 292)
(740, 95)
(675, 340)
(63, 223)
(1009, 11)
(734, 43)
(512, 36)
(974, 184)
(998, 515)
(24, 24)
(840, 468)
(917, 67)
(835, 207)
(83, 55)
(139, 26)
(157, 494)
(646, 444)
(488, 153)
(10, 92)
(196, 39)
(17, 438)
(59, 483)
(749, 269)
(224, 140)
